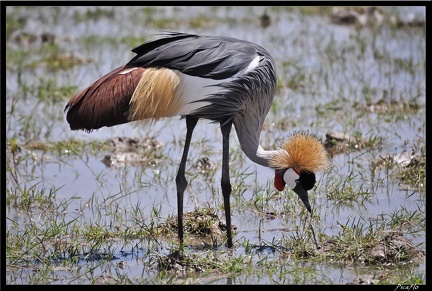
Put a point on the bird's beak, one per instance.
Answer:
(303, 194)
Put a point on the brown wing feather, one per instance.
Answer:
(105, 102)
(156, 95)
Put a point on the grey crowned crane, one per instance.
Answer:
(221, 79)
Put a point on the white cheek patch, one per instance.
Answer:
(290, 178)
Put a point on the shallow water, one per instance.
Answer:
(303, 41)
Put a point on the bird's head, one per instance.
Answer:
(301, 155)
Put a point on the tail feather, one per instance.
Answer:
(105, 102)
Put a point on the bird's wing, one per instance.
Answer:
(204, 56)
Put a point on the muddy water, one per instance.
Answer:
(340, 64)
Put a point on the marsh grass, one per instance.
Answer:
(70, 243)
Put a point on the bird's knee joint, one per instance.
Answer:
(226, 187)
(181, 182)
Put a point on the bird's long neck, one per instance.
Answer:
(248, 129)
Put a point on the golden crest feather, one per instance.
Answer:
(302, 151)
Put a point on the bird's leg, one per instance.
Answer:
(225, 182)
(181, 181)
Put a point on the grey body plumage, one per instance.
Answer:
(218, 58)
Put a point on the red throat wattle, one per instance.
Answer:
(278, 181)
